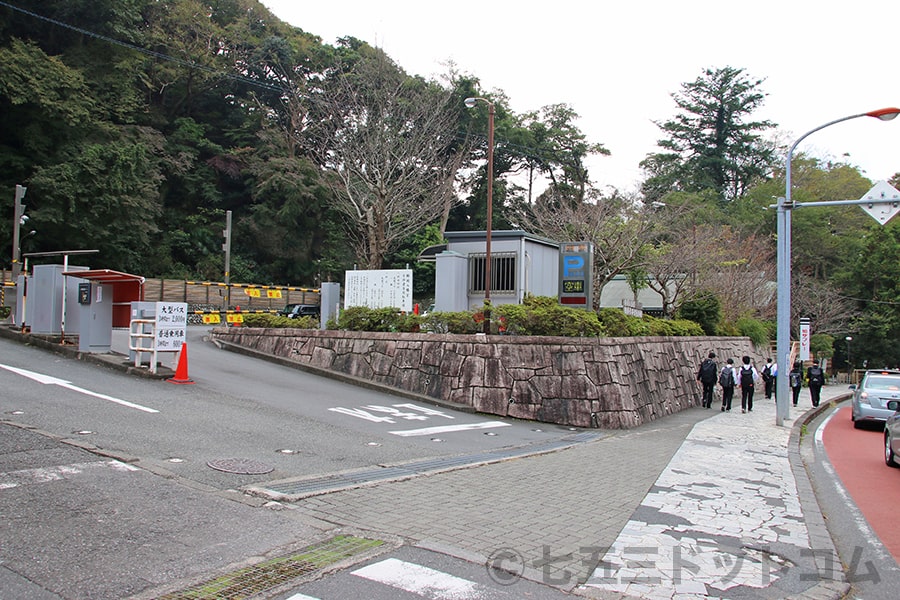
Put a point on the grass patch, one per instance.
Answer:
(249, 581)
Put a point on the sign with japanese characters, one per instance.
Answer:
(386, 288)
(576, 262)
(804, 339)
(171, 325)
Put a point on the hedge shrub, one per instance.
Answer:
(536, 316)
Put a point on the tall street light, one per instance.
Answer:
(470, 103)
(849, 339)
(785, 204)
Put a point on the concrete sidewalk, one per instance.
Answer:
(729, 513)
(733, 515)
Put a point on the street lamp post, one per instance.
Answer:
(470, 103)
(784, 207)
(849, 339)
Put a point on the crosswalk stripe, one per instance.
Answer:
(428, 583)
(13, 479)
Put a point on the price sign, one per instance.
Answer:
(171, 325)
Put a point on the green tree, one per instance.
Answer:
(105, 196)
(826, 239)
(710, 144)
(558, 149)
(874, 281)
(705, 309)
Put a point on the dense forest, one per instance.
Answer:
(137, 124)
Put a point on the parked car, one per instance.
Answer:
(892, 435)
(300, 310)
(871, 396)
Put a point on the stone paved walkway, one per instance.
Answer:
(724, 517)
(702, 504)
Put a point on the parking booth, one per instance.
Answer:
(104, 301)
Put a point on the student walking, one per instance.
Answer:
(747, 378)
(727, 379)
(769, 372)
(795, 379)
(815, 377)
(706, 375)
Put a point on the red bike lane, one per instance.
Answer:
(858, 459)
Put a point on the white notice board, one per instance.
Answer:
(387, 288)
(171, 325)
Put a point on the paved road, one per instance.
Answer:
(857, 492)
(718, 485)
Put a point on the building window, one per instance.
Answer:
(503, 273)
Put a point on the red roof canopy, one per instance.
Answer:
(105, 276)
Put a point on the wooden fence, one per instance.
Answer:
(247, 296)
(210, 295)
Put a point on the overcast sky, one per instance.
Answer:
(617, 63)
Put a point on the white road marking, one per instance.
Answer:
(46, 474)
(421, 413)
(301, 597)
(428, 583)
(49, 380)
(449, 428)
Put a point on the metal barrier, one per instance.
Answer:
(140, 349)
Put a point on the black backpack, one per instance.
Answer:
(747, 376)
(816, 377)
(708, 371)
(726, 378)
(767, 373)
(795, 379)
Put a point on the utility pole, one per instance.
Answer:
(227, 248)
(19, 219)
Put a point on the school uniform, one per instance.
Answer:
(747, 378)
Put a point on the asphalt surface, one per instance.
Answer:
(699, 504)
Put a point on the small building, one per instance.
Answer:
(617, 293)
(521, 264)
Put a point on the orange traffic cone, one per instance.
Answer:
(181, 373)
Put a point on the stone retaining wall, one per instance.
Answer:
(583, 382)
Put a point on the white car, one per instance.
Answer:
(892, 435)
(871, 396)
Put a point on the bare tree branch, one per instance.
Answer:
(388, 144)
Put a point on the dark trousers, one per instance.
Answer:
(815, 391)
(770, 388)
(708, 389)
(747, 397)
(796, 392)
(727, 395)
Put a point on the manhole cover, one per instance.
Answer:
(241, 466)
